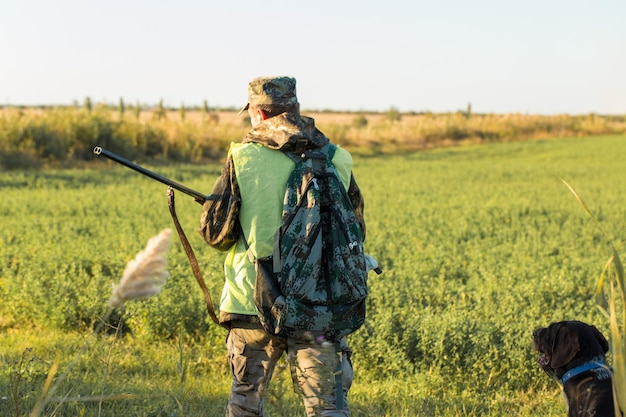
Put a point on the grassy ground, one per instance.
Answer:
(137, 378)
(479, 246)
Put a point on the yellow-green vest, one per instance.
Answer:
(262, 174)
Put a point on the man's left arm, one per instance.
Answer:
(218, 224)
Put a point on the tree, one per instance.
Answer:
(393, 115)
(159, 113)
(121, 108)
(87, 104)
(359, 121)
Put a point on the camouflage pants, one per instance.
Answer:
(253, 354)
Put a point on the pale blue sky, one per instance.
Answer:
(532, 56)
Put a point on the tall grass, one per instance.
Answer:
(143, 277)
(611, 282)
(65, 135)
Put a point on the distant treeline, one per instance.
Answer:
(33, 137)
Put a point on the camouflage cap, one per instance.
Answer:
(279, 91)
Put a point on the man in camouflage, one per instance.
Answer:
(249, 199)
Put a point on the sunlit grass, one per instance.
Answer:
(480, 245)
(62, 136)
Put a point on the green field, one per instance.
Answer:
(479, 245)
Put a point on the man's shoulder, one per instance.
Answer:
(250, 147)
(341, 155)
(255, 157)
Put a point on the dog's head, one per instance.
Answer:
(567, 344)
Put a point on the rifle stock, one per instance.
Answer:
(198, 196)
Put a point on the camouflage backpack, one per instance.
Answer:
(315, 283)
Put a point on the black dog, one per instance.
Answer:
(574, 352)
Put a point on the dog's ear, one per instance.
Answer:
(600, 338)
(565, 346)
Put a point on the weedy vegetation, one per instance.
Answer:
(479, 245)
(62, 136)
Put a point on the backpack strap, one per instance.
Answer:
(245, 242)
(330, 151)
(326, 152)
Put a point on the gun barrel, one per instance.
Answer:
(114, 157)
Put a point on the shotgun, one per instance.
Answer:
(199, 197)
